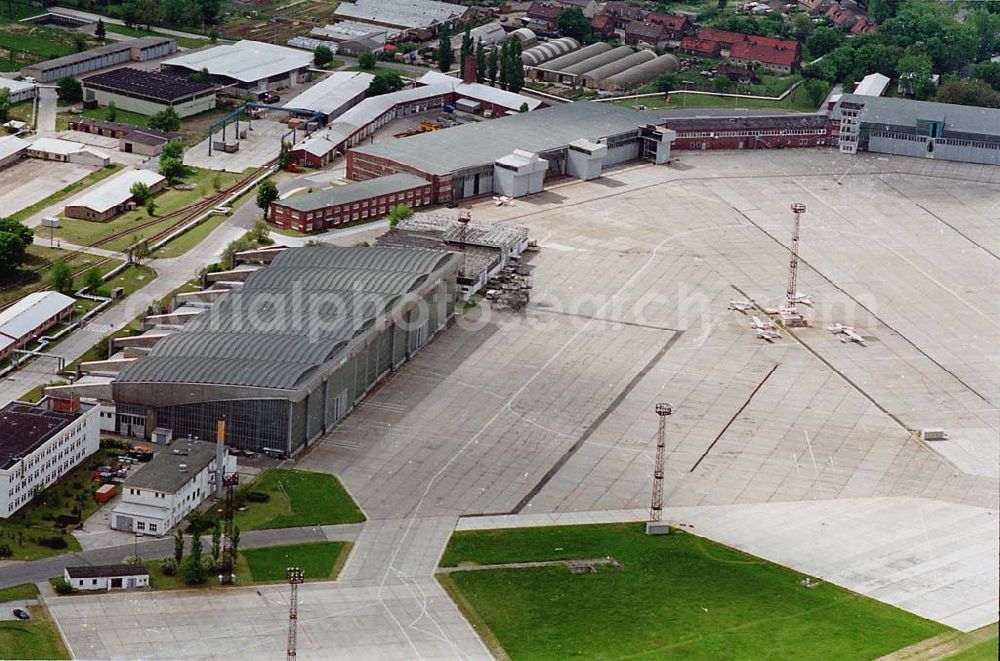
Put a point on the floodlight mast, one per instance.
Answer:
(656, 503)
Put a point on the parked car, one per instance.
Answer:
(22, 614)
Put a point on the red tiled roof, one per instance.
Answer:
(766, 54)
(602, 22)
(700, 45)
(646, 30)
(772, 42)
(670, 21)
(722, 36)
(543, 10)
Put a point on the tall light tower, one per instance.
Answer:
(789, 314)
(655, 525)
(295, 577)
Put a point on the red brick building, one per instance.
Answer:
(623, 13)
(356, 202)
(543, 16)
(603, 26)
(725, 38)
(780, 56)
(638, 32)
(696, 46)
(676, 25)
(752, 131)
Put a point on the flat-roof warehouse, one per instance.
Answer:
(77, 64)
(247, 64)
(149, 92)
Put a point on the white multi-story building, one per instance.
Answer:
(39, 443)
(160, 494)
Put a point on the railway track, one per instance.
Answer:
(183, 216)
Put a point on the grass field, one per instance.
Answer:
(191, 238)
(17, 285)
(985, 651)
(33, 639)
(22, 44)
(380, 69)
(183, 42)
(298, 498)
(318, 560)
(21, 592)
(677, 596)
(86, 232)
(123, 116)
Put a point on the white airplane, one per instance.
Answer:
(848, 334)
(767, 335)
(804, 299)
(757, 324)
(740, 306)
(503, 200)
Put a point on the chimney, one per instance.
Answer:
(469, 69)
(220, 456)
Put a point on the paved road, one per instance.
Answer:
(15, 573)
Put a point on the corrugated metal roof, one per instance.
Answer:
(354, 191)
(906, 112)
(404, 13)
(480, 92)
(15, 86)
(10, 145)
(331, 94)
(31, 311)
(95, 53)
(246, 61)
(380, 259)
(115, 191)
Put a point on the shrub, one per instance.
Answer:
(169, 567)
(56, 542)
(132, 560)
(258, 496)
(193, 570)
(62, 586)
(5, 551)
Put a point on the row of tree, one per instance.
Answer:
(196, 14)
(501, 67)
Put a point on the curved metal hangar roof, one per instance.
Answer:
(249, 338)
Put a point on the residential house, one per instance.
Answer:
(676, 25)
(543, 16)
(725, 38)
(703, 47)
(623, 13)
(653, 34)
(779, 56)
(603, 26)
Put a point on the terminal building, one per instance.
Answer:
(39, 443)
(922, 129)
(291, 348)
(114, 54)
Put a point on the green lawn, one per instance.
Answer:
(20, 283)
(86, 232)
(380, 69)
(298, 498)
(21, 592)
(677, 596)
(123, 116)
(984, 651)
(317, 560)
(35, 520)
(131, 280)
(22, 44)
(797, 100)
(191, 238)
(37, 638)
(183, 42)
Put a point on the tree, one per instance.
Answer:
(235, 540)
(823, 40)
(968, 93)
(92, 280)
(4, 104)
(322, 56)
(151, 11)
(665, 83)
(24, 233)
(172, 162)
(493, 66)
(193, 568)
(802, 27)
(101, 31)
(367, 60)
(216, 541)
(260, 233)
(722, 84)
(523, 107)
(14, 241)
(816, 91)
(285, 158)
(150, 207)
(173, 149)
(399, 213)
(572, 23)
(130, 15)
(444, 55)
(480, 62)
(515, 72)
(79, 42)
(111, 113)
(988, 72)
(468, 48)
(166, 120)
(69, 89)
(267, 192)
(213, 36)
(882, 10)
(61, 278)
(504, 68)
(385, 82)
(178, 546)
(200, 76)
(138, 251)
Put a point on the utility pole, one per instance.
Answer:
(655, 525)
(295, 577)
(789, 314)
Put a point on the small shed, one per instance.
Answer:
(107, 577)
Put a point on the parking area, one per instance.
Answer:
(32, 180)
(552, 410)
(259, 147)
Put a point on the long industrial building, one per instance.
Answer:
(286, 355)
(251, 65)
(121, 52)
(923, 129)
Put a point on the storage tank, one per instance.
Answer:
(641, 74)
(592, 78)
(550, 49)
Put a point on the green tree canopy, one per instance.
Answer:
(572, 23)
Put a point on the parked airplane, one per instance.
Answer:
(847, 334)
(740, 306)
(767, 335)
(757, 324)
(804, 299)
